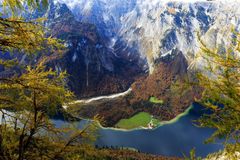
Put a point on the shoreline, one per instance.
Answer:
(162, 123)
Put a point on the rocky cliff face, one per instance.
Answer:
(110, 44)
(159, 27)
(155, 28)
(92, 67)
(95, 65)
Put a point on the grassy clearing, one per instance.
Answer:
(139, 120)
(155, 100)
(156, 122)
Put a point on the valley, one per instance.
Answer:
(160, 84)
(151, 58)
(138, 68)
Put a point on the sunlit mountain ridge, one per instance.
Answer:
(155, 28)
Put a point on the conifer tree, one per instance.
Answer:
(220, 81)
(29, 96)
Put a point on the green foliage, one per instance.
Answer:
(155, 100)
(192, 155)
(28, 36)
(25, 36)
(26, 101)
(16, 6)
(28, 97)
(36, 82)
(139, 120)
(220, 81)
(228, 153)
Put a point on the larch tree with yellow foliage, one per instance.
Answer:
(29, 97)
(220, 81)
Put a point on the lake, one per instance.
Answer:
(175, 139)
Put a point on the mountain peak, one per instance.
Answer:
(153, 28)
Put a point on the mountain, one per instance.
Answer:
(148, 45)
(107, 19)
(111, 44)
(92, 66)
(154, 28)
